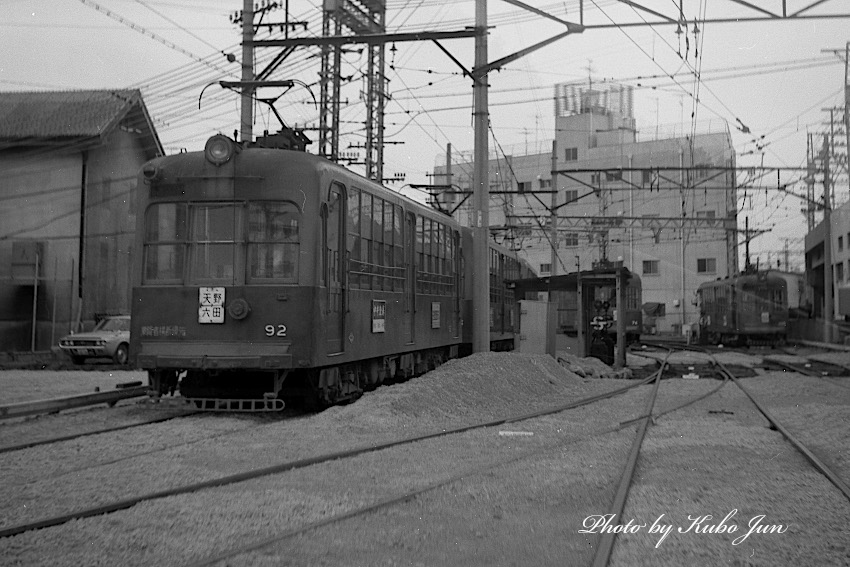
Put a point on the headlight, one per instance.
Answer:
(219, 149)
(100, 342)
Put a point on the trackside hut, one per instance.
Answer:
(68, 165)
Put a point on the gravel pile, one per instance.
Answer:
(467, 390)
(592, 367)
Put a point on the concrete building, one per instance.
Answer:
(68, 164)
(837, 231)
(664, 204)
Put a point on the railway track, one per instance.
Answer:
(292, 465)
(55, 405)
(82, 434)
(649, 414)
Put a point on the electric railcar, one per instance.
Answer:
(264, 273)
(745, 309)
(604, 301)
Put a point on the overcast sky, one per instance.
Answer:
(773, 77)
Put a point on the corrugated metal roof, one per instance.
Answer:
(51, 114)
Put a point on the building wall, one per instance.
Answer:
(840, 240)
(110, 225)
(708, 253)
(41, 202)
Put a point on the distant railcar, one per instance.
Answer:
(605, 297)
(265, 273)
(749, 308)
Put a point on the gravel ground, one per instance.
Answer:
(28, 385)
(514, 499)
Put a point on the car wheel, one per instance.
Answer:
(122, 354)
(78, 359)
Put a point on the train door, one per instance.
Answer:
(456, 266)
(334, 268)
(410, 278)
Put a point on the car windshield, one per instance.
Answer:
(113, 324)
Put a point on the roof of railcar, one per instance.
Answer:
(570, 281)
(319, 164)
(745, 278)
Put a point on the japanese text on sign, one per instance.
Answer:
(211, 305)
(379, 315)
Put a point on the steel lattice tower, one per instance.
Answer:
(360, 17)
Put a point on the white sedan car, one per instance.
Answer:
(109, 339)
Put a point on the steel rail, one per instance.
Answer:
(296, 464)
(30, 444)
(812, 458)
(839, 483)
(811, 373)
(385, 503)
(605, 544)
(53, 405)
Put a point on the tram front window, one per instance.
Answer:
(214, 230)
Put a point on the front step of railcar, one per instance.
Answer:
(232, 391)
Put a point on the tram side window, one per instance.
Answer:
(420, 257)
(214, 239)
(388, 257)
(273, 242)
(398, 248)
(428, 270)
(377, 241)
(354, 267)
(365, 239)
(165, 242)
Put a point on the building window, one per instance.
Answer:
(656, 231)
(545, 268)
(545, 183)
(840, 243)
(613, 176)
(651, 268)
(839, 272)
(571, 239)
(523, 186)
(594, 179)
(571, 154)
(706, 265)
(646, 177)
(570, 195)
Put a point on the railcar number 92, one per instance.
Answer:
(275, 331)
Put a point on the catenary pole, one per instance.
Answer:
(481, 190)
(246, 132)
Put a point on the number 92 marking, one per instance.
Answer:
(276, 331)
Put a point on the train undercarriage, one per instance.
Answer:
(249, 390)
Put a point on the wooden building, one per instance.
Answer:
(68, 165)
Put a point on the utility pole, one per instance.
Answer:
(481, 189)
(682, 232)
(246, 132)
(827, 246)
(553, 214)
